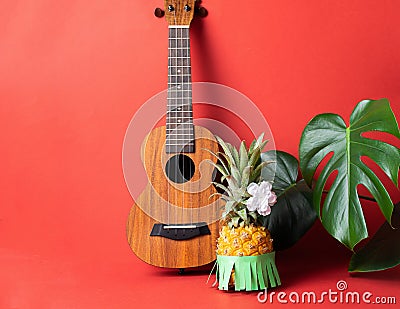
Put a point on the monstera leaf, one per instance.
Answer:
(292, 216)
(382, 251)
(326, 134)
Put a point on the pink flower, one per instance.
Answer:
(272, 198)
(264, 210)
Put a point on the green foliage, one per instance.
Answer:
(293, 215)
(326, 134)
(382, 251)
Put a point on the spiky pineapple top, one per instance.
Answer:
(238, 170)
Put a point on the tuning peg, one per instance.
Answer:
(159, 13)
(201, 11)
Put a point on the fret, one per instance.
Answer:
(179, 120)
(176, 87)
(185, 140)
(179, 79)
(181, 116)
(180, 123)
(176, 101)
(179, 126)
(186, 84)
(179, 53)
(179, 149)
(185, 70)
(183, 129)
(173, 89)
(179, 71)
(177, 132)
(182, 101)
(170, 123)
(171, 132)
(191, 133)
(178, 43)
(178, 32)
(171, 128)
(173, 95)
(181, 134)
(173, 107)
(179, 108)
(179, 113)
(178, 62)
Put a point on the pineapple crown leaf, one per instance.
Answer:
(242, 214)
(256, 142)
(234, 222)
(232, 183)
(235, 154)
(256, 175)
(246, 176)
(218, 156)
(229, 206)
(216, 194)
(221, 186)
(226, 150)
(219, 167)
(255, 157)
(236, 174)
(243, 156)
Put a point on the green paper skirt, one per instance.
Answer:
(251, 272)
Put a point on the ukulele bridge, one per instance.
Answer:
(180, 231)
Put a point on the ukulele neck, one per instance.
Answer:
(179, 122)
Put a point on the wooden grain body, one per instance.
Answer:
(154, 205)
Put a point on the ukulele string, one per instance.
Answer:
(181, 120)
(176, 127)
(190, 119)
(172, 102)
(168, 127)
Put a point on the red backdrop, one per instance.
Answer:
(72, 75)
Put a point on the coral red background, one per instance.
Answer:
(72, 75)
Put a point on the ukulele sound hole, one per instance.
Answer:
(180, 168)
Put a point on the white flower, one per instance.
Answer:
(262, 198)
(264, 210)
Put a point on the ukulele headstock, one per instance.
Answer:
(179, 12)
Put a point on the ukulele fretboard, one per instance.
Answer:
(180, 130)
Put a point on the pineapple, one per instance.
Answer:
(247, 198)
(244, 241)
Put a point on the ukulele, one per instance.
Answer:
(174, 221)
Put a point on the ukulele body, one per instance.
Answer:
(165, 201)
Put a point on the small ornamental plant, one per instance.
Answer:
(245, 256)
